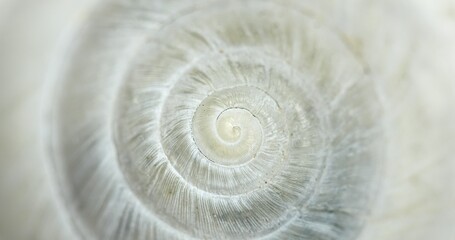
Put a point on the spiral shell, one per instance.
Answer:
(275, 119)
(227, 120)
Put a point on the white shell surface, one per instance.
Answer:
(229, 120)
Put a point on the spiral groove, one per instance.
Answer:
(223, 120)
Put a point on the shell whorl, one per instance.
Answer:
(222, 120)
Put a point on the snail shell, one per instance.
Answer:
(217, 120)
(249, 120)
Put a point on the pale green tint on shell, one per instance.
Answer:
(231, 120)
